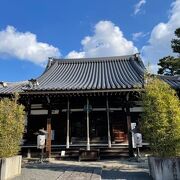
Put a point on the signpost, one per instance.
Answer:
(138, 143)
(41, 141)
(136, 140)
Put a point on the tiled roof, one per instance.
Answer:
(123, 72)
(12, 87)
(173, 81)
(86, 74)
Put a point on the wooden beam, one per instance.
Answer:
(81, 91)
(67, 131)
(108, 122)
(88, 139)
(128, 117)
(28, 110)
(48, 142)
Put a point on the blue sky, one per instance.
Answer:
(33, 30)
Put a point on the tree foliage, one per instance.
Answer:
(175, 43)
(11, 126)
(161, 118)
(171, 65)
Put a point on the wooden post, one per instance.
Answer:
(108, 123)
(67, 135)
(128, 116)
(28, 110)
(48, 141)
(88, 139)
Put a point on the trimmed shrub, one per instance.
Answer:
(161, 118)
(11, 127)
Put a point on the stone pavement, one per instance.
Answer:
(57, 172)
(74, 170)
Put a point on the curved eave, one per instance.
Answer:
(83, 91)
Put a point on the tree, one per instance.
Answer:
(175, 43)
(11, 126)
(171, 65)
(161, 118)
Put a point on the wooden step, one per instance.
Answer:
(114, 155)
(107, 151)
(104, 152)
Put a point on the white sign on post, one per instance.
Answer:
(138, 139)
(41, 141)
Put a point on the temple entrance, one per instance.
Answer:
(60, 127)
(98, 127)
(118, 127)
(78, 127)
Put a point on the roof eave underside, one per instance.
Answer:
(84, 91)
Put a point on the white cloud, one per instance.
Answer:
(25, 46)
(159, 44)
(74, 54)
(107, 40)
(138, 35)
(135, 36)
(138, 6)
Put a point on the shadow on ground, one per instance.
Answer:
(125, 175)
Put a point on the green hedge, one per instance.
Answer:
(161, 118)
(11, 127)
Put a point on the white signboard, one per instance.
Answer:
(138, 139)
(62, 153)
(41, 141)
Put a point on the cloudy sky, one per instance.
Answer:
(31, 31)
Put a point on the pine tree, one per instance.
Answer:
(171, 65)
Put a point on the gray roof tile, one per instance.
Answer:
(123, 72)
(105, 73)
(13, 87)
(173, 81)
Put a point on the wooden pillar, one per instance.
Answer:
(128, 117)
(28, 113)
(28, 110)
(108, 122)
(67, 135)
(48, 141)
(88, 139)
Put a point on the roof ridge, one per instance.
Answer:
(94, 59)
(15, 82)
